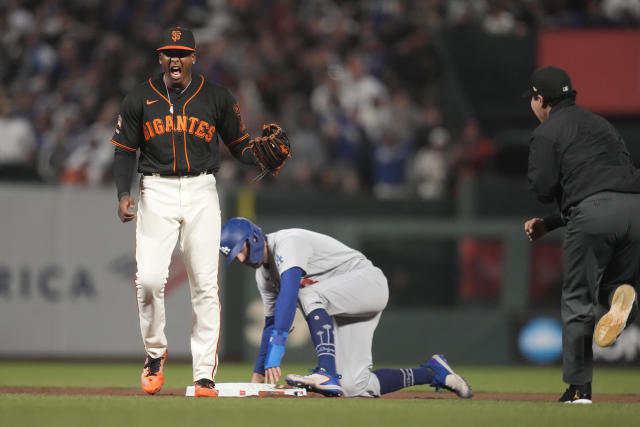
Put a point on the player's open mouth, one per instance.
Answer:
(175, 71)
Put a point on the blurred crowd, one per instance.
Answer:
(357, 84)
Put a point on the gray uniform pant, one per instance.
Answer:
(355, 301)
(601, 252)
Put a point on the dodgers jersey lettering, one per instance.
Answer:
(175, 130)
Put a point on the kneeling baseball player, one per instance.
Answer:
(342, 295)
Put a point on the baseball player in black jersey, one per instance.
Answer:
(174, 120)
(578, 160)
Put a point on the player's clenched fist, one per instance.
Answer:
(535, 228)
(126, 208)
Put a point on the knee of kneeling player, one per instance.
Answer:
(361, 386)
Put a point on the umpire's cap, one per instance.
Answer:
(178, 38)
(235, 233)
(550, 82)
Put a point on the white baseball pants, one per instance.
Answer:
(184, 209)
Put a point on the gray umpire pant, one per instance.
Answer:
(601, 252)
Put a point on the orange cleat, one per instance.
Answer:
(152, 377)
(205, 388)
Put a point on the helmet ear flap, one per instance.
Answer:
(256, 244)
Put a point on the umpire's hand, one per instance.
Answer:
(535, 228)
(126, 208)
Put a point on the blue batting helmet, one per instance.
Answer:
(235, 232)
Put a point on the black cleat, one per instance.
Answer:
(577, 394)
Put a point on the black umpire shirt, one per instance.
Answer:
(176, 131)
(576, 153)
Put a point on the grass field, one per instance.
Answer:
(157, 411)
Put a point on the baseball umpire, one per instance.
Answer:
(578, 160)
(174, 120)
(342, 295)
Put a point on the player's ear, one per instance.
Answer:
(193, 58)
(160, 58)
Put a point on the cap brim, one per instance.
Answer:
(176, 47)
(527, 93)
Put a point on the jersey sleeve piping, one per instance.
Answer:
(242, 138)
(123, 146)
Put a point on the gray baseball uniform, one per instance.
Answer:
(343, 282)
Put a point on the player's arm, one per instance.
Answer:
(269, 151)
(258, 369)
(535, 228)
(544, 171)
(232, 130)
(126, 139)
(285, 311)
(123, 164)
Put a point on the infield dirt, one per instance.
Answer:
(605, 398)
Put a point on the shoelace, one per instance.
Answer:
(153, 365)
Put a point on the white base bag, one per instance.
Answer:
(252, 389)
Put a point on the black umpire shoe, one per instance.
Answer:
(577, 394)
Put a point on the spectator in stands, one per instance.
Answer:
(310, 159)
(465, 13)
(67, 58)
(499, 20)
(90, 163)
(431, 166)
(18, 145)
(364, 97)
(391, 158)
(472, 148)
(625, 12)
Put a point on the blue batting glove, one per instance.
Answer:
(275, 351)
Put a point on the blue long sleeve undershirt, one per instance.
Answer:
(285, 309)
(284, 313)
(264, 344)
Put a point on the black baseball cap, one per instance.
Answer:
(178, 38)
(550, 82)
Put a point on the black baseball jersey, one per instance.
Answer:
(577, 153)
(176, 131)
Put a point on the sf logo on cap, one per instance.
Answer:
(175, 35)
(225, 250)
